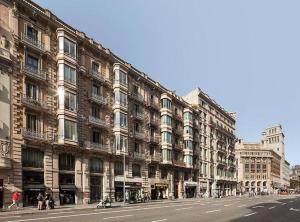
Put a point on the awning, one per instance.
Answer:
(68, 187)
(35, 187)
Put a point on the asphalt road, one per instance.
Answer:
(265, 209)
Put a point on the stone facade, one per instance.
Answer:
(72, 112)
(262, 166)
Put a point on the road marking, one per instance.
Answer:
(159, 220)
(283, 204)
(227, 205)
(61, 212)
(212, 211)
(257, 207)
(184, 208)
(270, 208)
(242, 205)
(106, 218)
(292, 209)
(247, 215)
(291, 201)
(9, 217)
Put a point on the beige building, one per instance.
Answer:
(262, 166)
(71, 111)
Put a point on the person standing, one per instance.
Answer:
(15, 200)
(47, 200)
(40, 200)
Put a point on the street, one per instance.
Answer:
(259, 208)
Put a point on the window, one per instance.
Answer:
(188, 144)
(95, 111)
(121, 142)
(69, 48)
(96, 136)
(96, 165)
(164, 174)
(97, 90)
(67, 73)
(188, 160)
(32, 91)
(166, 103)
(151, 171)
(120, 119)
(136, 170)
(120, 98)
(188, 130)
(167, 120)
(66, 162)
(188, 116)
(167, 155)
(32, 158)
(32, 33)
(32, 63)
(32, 122)
(119, 168)
(70, 101)
(95, 67)
(120, 77)
(166, 137)
(67, 129)
(136, 147)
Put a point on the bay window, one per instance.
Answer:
(67, 129)
(67, 73)
(120, 77)
(121, 142)
(167, 154)
(166, 137)
(188, 116)
(166, 120)
(70, 101)
(120, 98)
(166, 103)
(120, 119)
(67, 46)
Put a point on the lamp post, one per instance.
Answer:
(124, 176)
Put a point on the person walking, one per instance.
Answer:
(15, 199)
(40, 200)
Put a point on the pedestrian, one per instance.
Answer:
(15, 199)
(47, 200)
(40, 200)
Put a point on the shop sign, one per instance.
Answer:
(128, 184)
(190, 184)
(161, 185)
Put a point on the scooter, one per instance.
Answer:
(104, 204)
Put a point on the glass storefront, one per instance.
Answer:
(95, 188)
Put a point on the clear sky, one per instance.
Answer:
(244, 54)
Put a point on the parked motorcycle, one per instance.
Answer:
(104, 203)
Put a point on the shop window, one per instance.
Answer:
(32, 158)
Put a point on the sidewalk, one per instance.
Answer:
(34, 210)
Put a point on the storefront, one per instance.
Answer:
(159, 191)
(67, 189)
(133, 191)
(203, 189)
(1, 193)
(190, 189)
(33, 185)
(95, 188)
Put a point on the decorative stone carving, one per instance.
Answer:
(4, 148)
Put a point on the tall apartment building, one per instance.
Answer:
(72, 111)
(262, 166)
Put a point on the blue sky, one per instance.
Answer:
(244, 54)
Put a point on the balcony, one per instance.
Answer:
(98, 99)
(138, 115)
(178, 131)
(154, 121)
(33, 72)
(121, 152)
(221, 163)
(34, 103)
(99, 147)
(36, 44)
(137, 96)
(98, 122)
(154, 158)
(220, 150)
(139, 135)
(154, 139)
(5, 54)
(179, 163)
(121, 105)
(177, 117)
(98, 76)
(5, 161)
(33, 135)
(154, 105)
(178, 146)
(138, 156)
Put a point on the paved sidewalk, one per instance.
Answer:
(34, 210)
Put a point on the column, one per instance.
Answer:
(78, 180)
(171, 184)
(86, 180)
(55, 178)
(181, 190)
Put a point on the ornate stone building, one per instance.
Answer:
(72, 111)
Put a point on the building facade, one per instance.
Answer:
(262, 166)
(78, 121)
